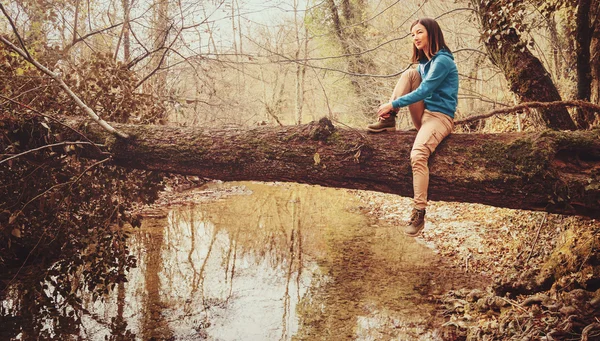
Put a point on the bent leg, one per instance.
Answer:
(408, 82)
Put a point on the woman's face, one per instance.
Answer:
(420, 37)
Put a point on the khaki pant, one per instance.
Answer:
(432, 128)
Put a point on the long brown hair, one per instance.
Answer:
(435, 36)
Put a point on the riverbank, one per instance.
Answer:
(543, 268)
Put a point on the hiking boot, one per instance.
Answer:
(386, 124)
(416, 223)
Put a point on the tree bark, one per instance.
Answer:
(526, 75)
(583, 40)
(551, 171)
(350, 34)
(126, 4)
(595, 53)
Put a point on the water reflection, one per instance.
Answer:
(269, 262)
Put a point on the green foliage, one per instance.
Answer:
(504, 19)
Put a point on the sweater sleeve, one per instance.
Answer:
(438, 71)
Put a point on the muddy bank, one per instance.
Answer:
(543, 269)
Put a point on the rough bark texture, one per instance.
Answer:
(350, 32)
(552, 171)
(583, 40)
(526, 75)
(595, 56)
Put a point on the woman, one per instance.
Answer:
(431, 94)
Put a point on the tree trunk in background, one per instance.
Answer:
(583, 41)
(556, 47)
(595, 53)
(550, 171)
(75, 22)
(158, 83)
(300, 69)
(526, 75)
(349, 30)
(337, 27)
(126, 28)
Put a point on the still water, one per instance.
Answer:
(255, 261)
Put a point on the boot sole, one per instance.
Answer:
(416, 233)
(381, 130)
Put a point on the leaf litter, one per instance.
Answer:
(543, 269)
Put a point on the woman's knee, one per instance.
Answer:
(412, 74)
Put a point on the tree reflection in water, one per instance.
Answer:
(269, 262)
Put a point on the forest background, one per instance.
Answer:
(236, 63)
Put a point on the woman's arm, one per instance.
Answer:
(440, 67)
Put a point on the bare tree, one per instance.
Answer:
(300, 68)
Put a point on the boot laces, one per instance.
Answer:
(417, 215)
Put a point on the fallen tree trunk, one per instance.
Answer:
(551, 171)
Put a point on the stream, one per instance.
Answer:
(257, 261)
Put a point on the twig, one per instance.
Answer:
(514, 304)
(82, 38)
(587, 330)
(162, 58)
(352, 129)
(529, 105)
(86, 170)
(14, 27)
(43, 147)
(536, 237)
(324, 93)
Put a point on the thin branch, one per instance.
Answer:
(82, 38)
(149, 53)
(324, 93)
(143, 56)
(158, 67)
(302, 62)
(162, 58)
(471, 50)
(530, 105)
(537, 235)
(86, 170)
(14, 28)
(43, 147)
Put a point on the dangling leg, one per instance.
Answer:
(436, 126)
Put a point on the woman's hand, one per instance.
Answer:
(384, 110)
